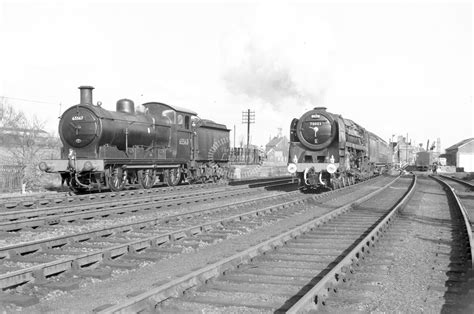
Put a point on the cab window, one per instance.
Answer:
(170, 114)
(186, 122)
(180, 120)
(195, 121)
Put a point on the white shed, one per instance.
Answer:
(461, 155)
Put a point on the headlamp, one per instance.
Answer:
(292, 168)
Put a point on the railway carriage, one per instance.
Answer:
(331, 151)
(110, 149)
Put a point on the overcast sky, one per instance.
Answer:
(393, 67)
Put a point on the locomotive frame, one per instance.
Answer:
(327, 150)
(107, 149)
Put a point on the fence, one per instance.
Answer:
(10, 178)
(241, 156)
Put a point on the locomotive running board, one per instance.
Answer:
(149, 166)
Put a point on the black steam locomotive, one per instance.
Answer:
(327, 150)
(107, 149)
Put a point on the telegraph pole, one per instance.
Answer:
(248, 117)
(2, 107)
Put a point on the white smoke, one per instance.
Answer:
(280, 56)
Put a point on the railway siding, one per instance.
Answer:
(53, 216)
(464, 191)
(201, 276)
(423, 258)
(121, 284)
(48, 200)
(22, 252)
(464, 205)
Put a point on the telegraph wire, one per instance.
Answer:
(28, 100)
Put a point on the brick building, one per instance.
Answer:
(276, 149)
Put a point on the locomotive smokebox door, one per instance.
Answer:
(316, 129)
(79, 127)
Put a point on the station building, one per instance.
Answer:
(461, 155)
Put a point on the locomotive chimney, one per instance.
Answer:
(319, 108)
(86, 95)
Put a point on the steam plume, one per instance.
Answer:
(279, 58)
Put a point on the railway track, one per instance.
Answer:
(65, 198)
(463, 183)
(56, 199)
(464, 206)
(463, 194)
(132, 235)
(425, 257)
(18, 220)
(111, 246)
(290, 272)
(256, 182)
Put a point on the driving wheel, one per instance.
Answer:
(116, 179)
(146, 178)
(172, 176)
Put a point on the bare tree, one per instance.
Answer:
(24, 144)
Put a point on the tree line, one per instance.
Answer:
(23, 144)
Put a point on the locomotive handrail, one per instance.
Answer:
(149, 166)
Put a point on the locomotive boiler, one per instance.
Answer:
(327, 150)
(110, 149)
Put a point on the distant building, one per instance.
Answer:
(461, 155)
(277, 148)
(404, 153)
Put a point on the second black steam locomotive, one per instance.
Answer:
(330, 151)
(110, 149)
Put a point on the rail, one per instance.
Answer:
(465, 183)
(175, 287)
(319, 292)
(467, 220)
